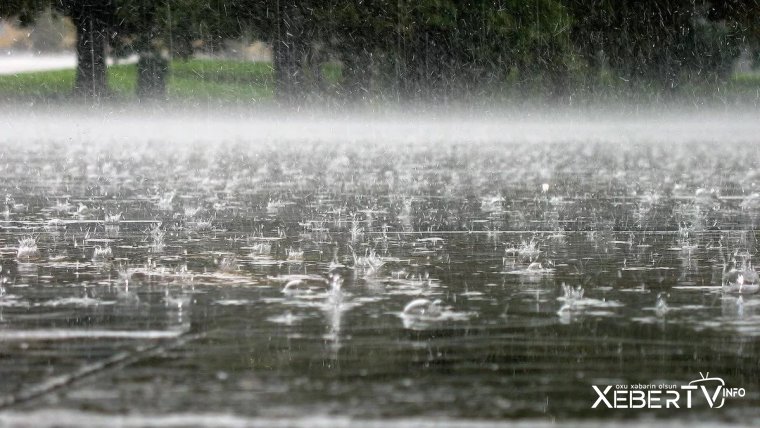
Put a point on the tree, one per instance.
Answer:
(660, 43)
(142, 31)
(422, 49)
(24, 10)
(445, 49)
(290, 26)
(93, 20)
(742, 19)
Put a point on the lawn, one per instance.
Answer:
(201, 81)
(191, 81)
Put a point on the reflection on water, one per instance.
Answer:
(465, 280)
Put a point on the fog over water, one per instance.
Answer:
(222, 126)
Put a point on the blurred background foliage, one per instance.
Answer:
(402, 50)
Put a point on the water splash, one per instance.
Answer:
(27, 249)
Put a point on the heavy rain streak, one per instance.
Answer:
(379, 213)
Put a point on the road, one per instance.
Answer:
(23, 62)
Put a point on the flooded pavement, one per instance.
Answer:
(266, 280)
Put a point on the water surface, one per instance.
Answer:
(263, 275)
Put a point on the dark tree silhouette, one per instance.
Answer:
(93, 19)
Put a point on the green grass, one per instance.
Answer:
(231, 72)
(232, 81)
(190, 81)
(199, 81)
(122, 80)
(39, 84)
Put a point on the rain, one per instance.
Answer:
(379, 213)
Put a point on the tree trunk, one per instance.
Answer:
(357, 73)
(92, 38)
(558, 73)
(152, 70)
(287, 52)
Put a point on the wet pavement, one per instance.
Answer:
(268, 280)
